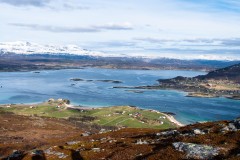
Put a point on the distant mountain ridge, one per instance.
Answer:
(28, 48)
(25, 56)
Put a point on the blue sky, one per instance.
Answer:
(165, 28)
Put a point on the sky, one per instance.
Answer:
(163, 28)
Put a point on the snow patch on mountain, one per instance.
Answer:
(28, 48)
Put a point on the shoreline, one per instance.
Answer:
(173, 120)
(104, 67)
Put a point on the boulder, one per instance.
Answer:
(168, 133)
(198, 132)
(237, 123)
(16, 155)
(225, 129)
(197, 151)
(73, 142)
(141, 142)
(38, 154)
(85, 134)
(232, 127)
(96, 149)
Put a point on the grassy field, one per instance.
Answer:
(120, 116)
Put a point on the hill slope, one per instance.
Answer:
(215, 140)
(222, 82)
(231, 73)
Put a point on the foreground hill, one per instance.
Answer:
(34, 137)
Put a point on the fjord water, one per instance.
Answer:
(31, 87)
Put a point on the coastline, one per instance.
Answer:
(173, 120)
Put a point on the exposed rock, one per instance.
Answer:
(232, 127)
(72, 143)
(198, 131)
(16, 155)
(55, 153)
(96, 149)
(237, 123)
(141, 142)
(225, 129)
(38, 154)
(168, 133)
(85, 134)
(196, 151)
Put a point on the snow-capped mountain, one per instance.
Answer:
(28, 48)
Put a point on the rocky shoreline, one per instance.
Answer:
(194, 88)
(219, 83)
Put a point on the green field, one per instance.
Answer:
(120, 116)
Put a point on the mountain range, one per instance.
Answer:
(27, 48)
(22, 56)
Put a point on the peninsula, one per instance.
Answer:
(223, 82)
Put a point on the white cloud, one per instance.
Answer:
(36, 3)
(94, 28)
(176, 25)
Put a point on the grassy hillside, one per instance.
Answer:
(120, 116)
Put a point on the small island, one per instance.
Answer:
(91, 80)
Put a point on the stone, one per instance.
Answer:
(237, 123)
(197, 151)
(198, 132)
(72, 142)
(55, 153)
(168, 133)
(85, 134)
(16, 155)
(224, 129)
(232, 127)
(141, 142)
(96, 149)
(37, 153)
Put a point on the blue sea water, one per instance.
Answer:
(30, 87)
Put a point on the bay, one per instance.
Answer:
(94, 91)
